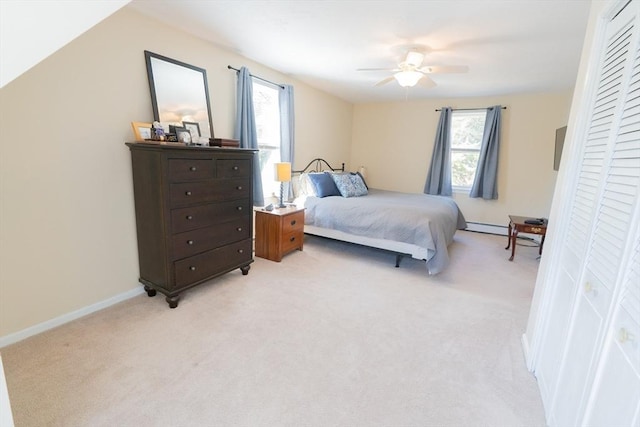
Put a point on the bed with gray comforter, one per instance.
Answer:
(418, 225)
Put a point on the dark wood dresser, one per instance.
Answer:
(194, 214)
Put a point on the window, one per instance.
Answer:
(267, 110)
(466, 139)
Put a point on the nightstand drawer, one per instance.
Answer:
(293, 222)
(292, 241)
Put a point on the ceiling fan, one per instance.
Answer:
(410, 72)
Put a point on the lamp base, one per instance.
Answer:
(281, 205)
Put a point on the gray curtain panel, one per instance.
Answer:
(287, 130)
(439, 177)
(485, 183)
(246, 128)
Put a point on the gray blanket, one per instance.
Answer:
(419, 219)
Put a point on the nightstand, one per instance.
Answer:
(279, 232)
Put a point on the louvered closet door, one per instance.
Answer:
(613, 82)
(615, 400)
(606, 242)
(602, 212)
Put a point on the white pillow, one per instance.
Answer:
(304, 186)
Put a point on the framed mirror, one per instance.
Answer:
(179, 93)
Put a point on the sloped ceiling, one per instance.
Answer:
(510, 46)
(32, 30)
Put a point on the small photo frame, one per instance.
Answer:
(193, 128)
(182, 134)
(141, 131)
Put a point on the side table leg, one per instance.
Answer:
(514, 236)
(509, 237)
(541, 244)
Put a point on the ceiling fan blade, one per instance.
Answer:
(426, 82)
(444, 69)
(384, 81)
(377, 69)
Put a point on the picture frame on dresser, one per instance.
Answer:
(182, 134)
(193, 128)
(141, 131)
(175, 83)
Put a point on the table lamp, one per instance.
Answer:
(282, 175)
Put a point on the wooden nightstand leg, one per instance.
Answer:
(514, 236)
(541, 244)
(509, 237)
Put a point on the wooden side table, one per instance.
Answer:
(517, 225)
(279, 232)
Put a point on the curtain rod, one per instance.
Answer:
(466, 109)
(256, 77)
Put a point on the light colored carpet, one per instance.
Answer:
(331, 336)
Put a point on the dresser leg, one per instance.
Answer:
(173, 301)
(245, 269)
(150, 291)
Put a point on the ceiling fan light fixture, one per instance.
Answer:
(407, 78)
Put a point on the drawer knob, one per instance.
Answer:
(239, 228)
(239, 187)
(192, 168)
(293, 222)
(235, 168)
(292, 238)
(192, 268)
(239, 208)
(189, 217)
(187, 193)
(240, 251)
(189, 242)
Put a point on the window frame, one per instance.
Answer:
(452, 149)
(269, 190)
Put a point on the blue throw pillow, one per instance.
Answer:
(361, 178)
(324, 185)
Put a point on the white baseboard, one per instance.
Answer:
(526, 351)
(487, 228)
(65, 318)
(500, 230)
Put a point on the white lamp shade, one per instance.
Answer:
(283, 172)
(408, 78)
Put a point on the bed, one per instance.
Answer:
(417, 225)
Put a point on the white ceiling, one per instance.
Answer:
(510, 46)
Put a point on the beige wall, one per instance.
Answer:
(67, 226)
(395, 142)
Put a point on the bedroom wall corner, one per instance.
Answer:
(407, 129)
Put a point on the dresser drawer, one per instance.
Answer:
(190, 169)
(192, 217)
(203, 239)
(293, 222)
(233, 168)
(211, 263)
(189, 193)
